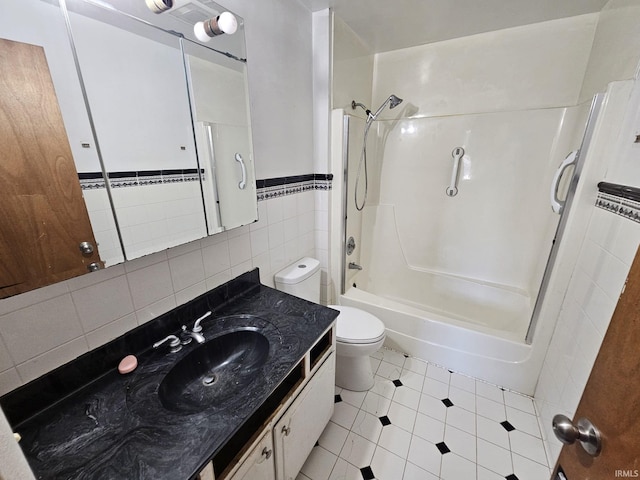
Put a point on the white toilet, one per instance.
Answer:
(358, 333)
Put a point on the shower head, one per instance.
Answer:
(393, 102)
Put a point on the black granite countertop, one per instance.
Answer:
(103, 425)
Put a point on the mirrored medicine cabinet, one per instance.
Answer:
(153, 141)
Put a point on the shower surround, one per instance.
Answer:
(456, 278)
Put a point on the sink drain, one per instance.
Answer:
(209, 380)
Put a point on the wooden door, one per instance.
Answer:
(43, 218)
(611, 399)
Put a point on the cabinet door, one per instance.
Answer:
(298, 430)
(259, 464)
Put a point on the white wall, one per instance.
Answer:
(616, 47)
(322, 68)
(13, 464)
(352, 69)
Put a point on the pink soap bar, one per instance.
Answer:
(128, 364)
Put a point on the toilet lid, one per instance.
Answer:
(357, 326)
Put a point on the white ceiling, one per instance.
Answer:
(392, 24)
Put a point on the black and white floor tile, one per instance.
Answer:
(423, 422)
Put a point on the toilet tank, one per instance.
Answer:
(301, 279)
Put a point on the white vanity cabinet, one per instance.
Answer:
(284, 442)
(297, 431)
(255, 464)
(259, 464)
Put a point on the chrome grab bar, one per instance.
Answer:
(557, 205)
(243, 182)
(452, 189)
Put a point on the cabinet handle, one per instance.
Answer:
(266, 453)
(286, 430)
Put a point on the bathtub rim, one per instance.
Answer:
(496, 360)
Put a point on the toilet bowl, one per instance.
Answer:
(358, 333)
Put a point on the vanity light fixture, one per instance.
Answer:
(226, 22)
(159, 6)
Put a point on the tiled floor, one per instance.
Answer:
(422, 422)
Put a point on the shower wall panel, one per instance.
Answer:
(499, 225)
(529, 67)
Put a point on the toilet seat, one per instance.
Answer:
(357, 326)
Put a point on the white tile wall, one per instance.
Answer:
(103, 225)
(603, 265)
(45, 328)
(159, 216)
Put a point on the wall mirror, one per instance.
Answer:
(157, 124)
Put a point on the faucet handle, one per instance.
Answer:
(196, 326)
(174, 343)
(185, 338)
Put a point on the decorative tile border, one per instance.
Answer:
(619, 199)
(266, 189)
(281, 186)
(91, 180)
(95, 180)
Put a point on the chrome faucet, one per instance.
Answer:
(174, 343)
(196, 326)
(186, 336)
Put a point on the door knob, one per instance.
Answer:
(584, 431)
(86, 248)
(93, 267)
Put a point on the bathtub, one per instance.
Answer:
(481, 351)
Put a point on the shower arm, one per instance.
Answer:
(355, 104)
(395, 101)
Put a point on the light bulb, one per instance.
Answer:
(199, 32)
(226, 22)
(159, 6)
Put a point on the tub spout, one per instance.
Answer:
(354, 266)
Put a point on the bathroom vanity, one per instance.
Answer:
(248, 403)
